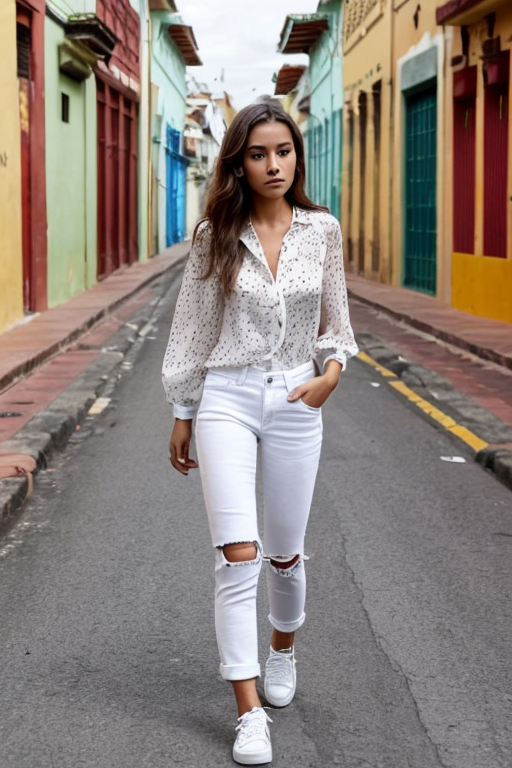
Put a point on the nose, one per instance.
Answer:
(273, 164)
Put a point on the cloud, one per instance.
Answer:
(241, 38)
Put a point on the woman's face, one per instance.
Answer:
(270, 160)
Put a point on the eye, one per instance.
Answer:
(284, 152)
(256, 155)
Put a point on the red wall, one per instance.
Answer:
(38, 250)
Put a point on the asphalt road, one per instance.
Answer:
(107, 650)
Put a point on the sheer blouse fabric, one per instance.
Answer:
(276, 324)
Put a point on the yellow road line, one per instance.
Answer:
(464, 434)
(384, 371)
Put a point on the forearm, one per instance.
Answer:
(332, 372)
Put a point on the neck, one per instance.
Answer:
(270, 212)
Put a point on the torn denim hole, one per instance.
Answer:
(286, 573)
(221, 560)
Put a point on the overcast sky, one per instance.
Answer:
(240, 37)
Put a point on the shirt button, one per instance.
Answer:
(270, 380)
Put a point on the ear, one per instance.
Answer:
(239, 172)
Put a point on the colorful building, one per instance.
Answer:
(11, 260)
(479, 168)
(318, 35)
(71, 157)
(23, 270)
(367, 137)
(173, 49)
(91, 98)
(427, 177)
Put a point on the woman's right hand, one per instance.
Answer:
(179, 446)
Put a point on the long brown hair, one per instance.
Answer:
(229, 198)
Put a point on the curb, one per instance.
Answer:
(50, 429)
(489, 430)
(485, 353)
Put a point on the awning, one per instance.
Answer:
(287, 78)
(463, 12)
(301, 31)
(88, 30)
(184, 38)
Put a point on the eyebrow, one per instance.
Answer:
(261, 146)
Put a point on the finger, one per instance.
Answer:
(177, 461)
(178, 464)
(296, 393)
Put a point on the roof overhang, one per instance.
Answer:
(301, 32)
(287, 78)
(92, 33)
(184, 39)
(463, 12)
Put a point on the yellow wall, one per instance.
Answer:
(482, 286)
(11, 301)
(366, 61)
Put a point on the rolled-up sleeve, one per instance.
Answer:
(336, 339)
(194, 332)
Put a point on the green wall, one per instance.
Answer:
(323, 135)
(70, 177)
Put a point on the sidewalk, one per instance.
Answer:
(488, 339)
(45, 387)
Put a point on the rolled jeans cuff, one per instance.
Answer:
(239, 671)
(287, 626)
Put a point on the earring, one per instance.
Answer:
(239, 172)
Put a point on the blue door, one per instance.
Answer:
(176, 188)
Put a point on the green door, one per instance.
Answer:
(420, 191)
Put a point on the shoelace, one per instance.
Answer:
(279, 667)
(252, 724)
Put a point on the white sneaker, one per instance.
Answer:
(280, 677)
(252, 745)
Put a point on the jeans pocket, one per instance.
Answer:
(216, 379)
(310, 407)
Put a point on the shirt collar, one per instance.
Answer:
(249, 237)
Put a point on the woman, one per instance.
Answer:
(260, 334)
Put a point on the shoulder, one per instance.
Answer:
(322, 221)
(202, 231)
(201, 238)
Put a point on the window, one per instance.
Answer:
(65, 108)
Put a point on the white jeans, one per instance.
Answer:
(243, 411)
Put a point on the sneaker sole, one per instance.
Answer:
(279, 704)
(259, 759)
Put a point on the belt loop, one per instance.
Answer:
(289, 380)
(242, 375)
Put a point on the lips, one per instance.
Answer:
(274, 181)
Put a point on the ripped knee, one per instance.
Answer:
(283, 562)
(240, 552)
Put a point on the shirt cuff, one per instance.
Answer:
(321, 358)
(184, 411)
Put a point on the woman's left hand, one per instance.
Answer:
(315, 392)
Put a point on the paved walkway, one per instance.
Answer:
(488, 339)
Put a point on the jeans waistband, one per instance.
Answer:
(290, 378)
